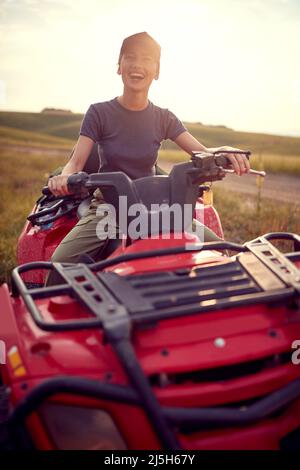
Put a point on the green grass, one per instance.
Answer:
(21, 179)
(274, 154)
(246, 217)
(38, 122)
(214, 136)
(23, 174)
(12, 136)
(67, 130)
(67, 126)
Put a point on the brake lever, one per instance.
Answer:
(240, 152)
(251, 171)
(77, 182)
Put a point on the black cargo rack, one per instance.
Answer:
(259, 273)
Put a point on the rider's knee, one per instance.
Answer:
(61, 255)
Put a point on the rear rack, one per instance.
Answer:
(259, 273)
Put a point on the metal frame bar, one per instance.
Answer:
(216, 416)
(116, 311)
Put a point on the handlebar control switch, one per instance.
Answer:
(77, 182)
(205, 162)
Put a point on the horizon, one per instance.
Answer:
(223, 61)
(69, 111)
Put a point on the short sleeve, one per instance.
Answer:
(91, 124)
(173, 126)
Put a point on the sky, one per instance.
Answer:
(224, 62)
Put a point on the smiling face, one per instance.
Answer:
(138, 67)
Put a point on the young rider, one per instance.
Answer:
(129, 130)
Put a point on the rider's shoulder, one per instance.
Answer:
(103, 104)
(160, 110)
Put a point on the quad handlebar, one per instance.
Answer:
(181, 186)
(213, 166)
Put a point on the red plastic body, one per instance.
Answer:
(38, 243)
(250, 333)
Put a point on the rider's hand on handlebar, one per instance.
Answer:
(239, 162)
(58, 185)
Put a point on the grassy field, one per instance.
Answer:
(21, 179)
(246, 217)
(59, 125)
(9, 136)
(67, 126)
(271, 163)
(23, 174)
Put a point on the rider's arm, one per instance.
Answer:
(80, 155)
(58, 184)
(188, 143)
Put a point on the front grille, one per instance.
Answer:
(221, 374)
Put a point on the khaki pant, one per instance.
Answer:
(85, 238)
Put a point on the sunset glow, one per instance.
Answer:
(223, 61)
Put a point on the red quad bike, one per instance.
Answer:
(166, 344)
(52, 218)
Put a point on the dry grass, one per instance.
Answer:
(9, 136)
(246, 217)
(67, 126)
(21, 178)
(23, 174)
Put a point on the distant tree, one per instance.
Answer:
(220, 126)
(56, 111)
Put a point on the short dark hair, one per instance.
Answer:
(141, 38)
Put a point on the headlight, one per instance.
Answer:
(75, 428)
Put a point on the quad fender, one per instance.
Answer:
(8, 325)
(208, 215)
(38, 244)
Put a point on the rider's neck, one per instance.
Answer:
(134, 101)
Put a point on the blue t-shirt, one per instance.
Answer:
(129, 140)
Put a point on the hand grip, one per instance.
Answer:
(46, 191)
(76, 182)
(222, 160)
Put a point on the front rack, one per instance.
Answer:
(258, 273)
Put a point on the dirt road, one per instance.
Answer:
(57, 152)
(283, 188)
